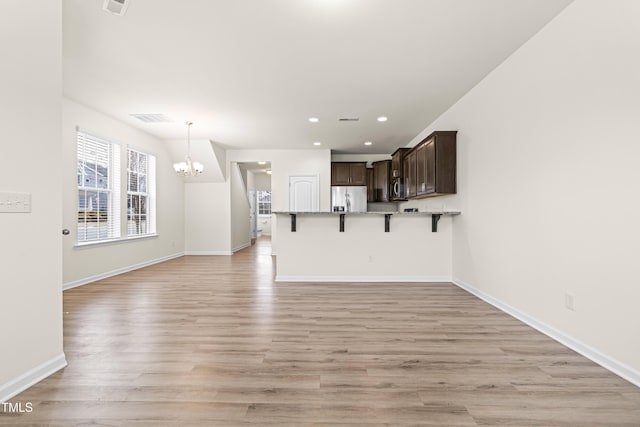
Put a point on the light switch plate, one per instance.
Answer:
(569, 301)
(15, 202)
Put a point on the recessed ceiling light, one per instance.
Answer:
(314, 119)
(262, 163)
(382, 119)
(268, 171)
(368, 143)
(317, 143)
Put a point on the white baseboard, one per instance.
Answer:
(101, 276)
(35, 375)
(231, 252)
(594, 355)
(207, 253)
(241, 247)
(385, 279)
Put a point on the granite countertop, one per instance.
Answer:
(421, 213)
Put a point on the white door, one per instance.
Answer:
(304, 193)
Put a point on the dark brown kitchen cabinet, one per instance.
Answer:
(421, 169)
(430, 169)
(435, 165)
(381, 179)
(349, 173)
(409, 174)
(396, 190)
(371, 190)
(340, 174)
(358, 173)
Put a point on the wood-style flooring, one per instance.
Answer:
(213, 341)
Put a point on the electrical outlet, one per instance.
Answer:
(569, 302)
(15, 202)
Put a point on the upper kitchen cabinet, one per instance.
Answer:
(396, 181)
(409, 174)
(381, 180)
(371, 190)
(348, 173)
(422, 166)
(435, 165)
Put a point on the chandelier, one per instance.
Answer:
(188, 167)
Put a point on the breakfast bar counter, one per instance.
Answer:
(435, 217)
(364, 246)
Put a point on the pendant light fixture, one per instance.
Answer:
(188, 167)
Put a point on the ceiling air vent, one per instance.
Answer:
(152, 118)
(348, 119)
(117, 7)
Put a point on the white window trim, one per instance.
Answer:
(108, 242)
(258, 202)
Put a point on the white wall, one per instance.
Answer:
(318, 251)
(84, 264)
(262, 181)
(240, 210)
(207, 220)
(285, 163)
(208, 206)
(548, 180)
(244, 176)
(251, 180)
(291, 162)
(31, 246)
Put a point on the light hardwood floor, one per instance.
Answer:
(214, 341)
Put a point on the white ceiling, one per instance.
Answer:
(249, 73)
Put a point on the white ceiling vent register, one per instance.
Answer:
(152, 118)
(117, 7)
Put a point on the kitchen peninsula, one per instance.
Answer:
(353, 243)
(364, 246)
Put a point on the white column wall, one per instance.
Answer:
(207, 218)
(548, 181)
(31, 243)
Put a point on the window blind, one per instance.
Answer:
(140, 193)
(98, 188)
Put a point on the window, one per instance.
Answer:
(140, 193)
(264, 202)
(98, 188)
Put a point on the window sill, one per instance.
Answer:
(113, 241)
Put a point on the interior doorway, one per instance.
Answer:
(257, 180)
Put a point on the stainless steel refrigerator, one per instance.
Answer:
(349, 199)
